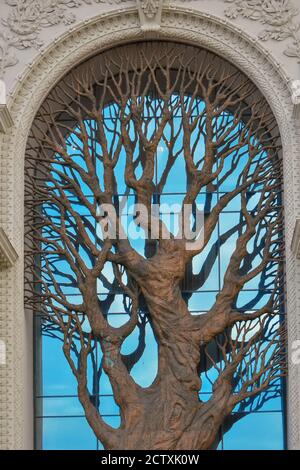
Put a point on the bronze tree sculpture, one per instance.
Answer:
(120, 109)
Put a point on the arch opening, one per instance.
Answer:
(121, 108)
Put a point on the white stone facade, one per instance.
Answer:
(39, 42)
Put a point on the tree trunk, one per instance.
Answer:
(172, 425)
(169, 414)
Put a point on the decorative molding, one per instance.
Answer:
(25, 21)
(5, 118)
(27, 18)
(278, 16)
(71, 48)
(150, 14)
(295, 90)
(295, 246)
(8, 255)
(149, 7)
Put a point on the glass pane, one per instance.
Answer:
(67, 434)
(59, 406)
(256, 431)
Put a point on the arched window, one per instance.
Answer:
(154, 255)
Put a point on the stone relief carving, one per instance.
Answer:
(7, 57)
(20, 30)
(149, 7)
(277, 16)
(150, 14)
(26, 19)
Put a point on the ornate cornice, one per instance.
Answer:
(26, 19)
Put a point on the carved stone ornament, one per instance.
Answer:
(8, 255)
(295, 89)
(25, 21)
(150, 14)
(5, 117)
(279, 18)
(21, 28)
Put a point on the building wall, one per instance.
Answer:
(39, 42)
